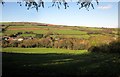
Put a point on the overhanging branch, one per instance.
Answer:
(40, 3)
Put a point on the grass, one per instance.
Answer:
(8, 32)
(100, 39)
(48, 28)
(45, 31)
(42, 50)
(41, 62)
(69, 32)
(25, 35)
(26, 26)
(72, 36)
(51, 62)
(0, 33)
(95, 29)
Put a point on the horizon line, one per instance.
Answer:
(57, 24)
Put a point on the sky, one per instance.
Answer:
(104, 15)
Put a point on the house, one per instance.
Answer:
(20, 39)
(5, 38)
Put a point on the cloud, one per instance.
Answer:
(105, 7)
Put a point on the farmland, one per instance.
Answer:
(91, 35)
(39, 50)
(61, 30)
(58, 62)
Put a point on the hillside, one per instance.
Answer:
(40, 50)
(58, 36)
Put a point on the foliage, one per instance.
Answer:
(29, 43)
(5, 43)
(49, 42)
(41, 3)
(56, 36)
(100, 39)
(13, 44)
(112, 47)
(39, 35)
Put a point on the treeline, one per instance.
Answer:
(66, 43)
(48, 42)
(73, 44)
(93, 44)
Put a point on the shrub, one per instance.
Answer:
(30, 43)
(5, 43)
(39, 35)
(13, 43)
(74, 44)
(112, 47)
(48, 34)
(28, 32)
(45, 42)
(93, 49)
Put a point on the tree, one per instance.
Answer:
(40, 3)
(1, 1)
(86, 3)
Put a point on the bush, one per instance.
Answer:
(115, 47)
(74, 44)
(5, 43)
(39, 35)
(93, 49)
(112, 47)
(28, 32)
(48, 34)
(29, 43)
(45, 42)
(14, 43)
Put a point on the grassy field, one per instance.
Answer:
(63, 31)
(26, 35)
(8, 32)
(42, 50)
(41, 62)
(69, 32)
(72, 36)
(42, 31)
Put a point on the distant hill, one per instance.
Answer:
(27, 23)
(42, 24)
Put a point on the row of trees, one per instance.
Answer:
(74, 44)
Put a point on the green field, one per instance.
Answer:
(68, 31)
(37, 62)
(72, 36)
(26, 35)
(42, 31)
(43, 50)
(8, 32)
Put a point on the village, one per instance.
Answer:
(16, 37)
